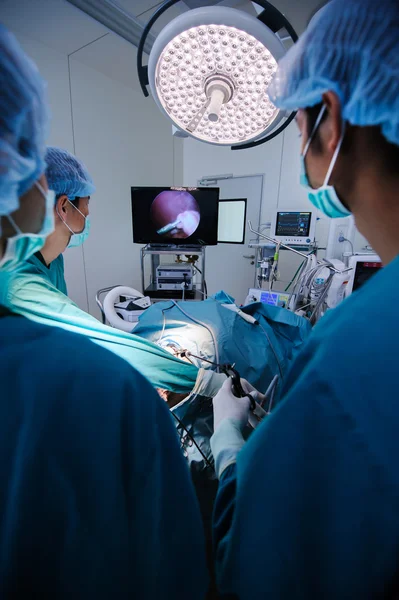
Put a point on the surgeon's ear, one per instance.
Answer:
(62, 204)
(331, 128)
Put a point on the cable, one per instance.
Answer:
(195, 267)
(297, 290)
(304, 306)
(273, 350)
(273, 275)
(164, 322)
(205, 287)
(202, 325)
(344, 239)
(272, 391)
(296, 273)
(320, 301)
(208, 463)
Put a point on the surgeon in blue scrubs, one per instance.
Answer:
(72, 184)
(95, 496)
(308, 508)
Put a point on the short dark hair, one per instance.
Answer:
(389, 152)
(312, 113)
(75, 201)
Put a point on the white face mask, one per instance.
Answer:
(325, 198)
(77, 239)
(23, 245)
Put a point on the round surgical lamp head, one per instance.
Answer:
(209, 70)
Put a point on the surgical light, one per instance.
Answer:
(209, 70)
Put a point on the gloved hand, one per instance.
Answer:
(230, 415)
(227, 406)
(249, 389)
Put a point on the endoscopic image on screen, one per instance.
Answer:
(175, 214)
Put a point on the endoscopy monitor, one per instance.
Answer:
(175, 215)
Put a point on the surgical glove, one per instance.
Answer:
(230, 415)
(227, 406)
(249, 389)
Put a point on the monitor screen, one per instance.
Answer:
(293, 224)
(175, 215)
(363, 272)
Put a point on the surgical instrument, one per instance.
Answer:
(169, 227)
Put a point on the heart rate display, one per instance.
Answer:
(293, 224)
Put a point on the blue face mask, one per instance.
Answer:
(324, 198)
(23, 245)
(77, 239)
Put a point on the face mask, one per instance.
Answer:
(324, 198)
(23, 245)
(77, 239)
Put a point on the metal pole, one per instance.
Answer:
(142, 267)
(203, 274)
(270, 239)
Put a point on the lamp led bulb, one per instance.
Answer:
(226, 59)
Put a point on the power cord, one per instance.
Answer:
(191, 437)
(342, 239)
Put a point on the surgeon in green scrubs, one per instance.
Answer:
(35, 287)
(69, 179)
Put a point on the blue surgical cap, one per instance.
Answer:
(352, 48)
(67, 175)
(24, 121)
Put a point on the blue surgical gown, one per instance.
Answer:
(95, 496)
(54, 272)
(311, 507)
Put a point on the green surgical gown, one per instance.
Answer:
(35, 297)
(54, 272)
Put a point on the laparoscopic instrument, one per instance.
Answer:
(257, 410)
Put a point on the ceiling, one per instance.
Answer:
(64, 28)
(297, 11)
(143, 9)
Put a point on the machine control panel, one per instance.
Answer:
(272, 298)
(174, 277)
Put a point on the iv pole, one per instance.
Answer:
(325, 263)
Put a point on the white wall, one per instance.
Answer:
(121, 137)
(279, 161)
(124, 141)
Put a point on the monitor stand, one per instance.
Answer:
(176, 247)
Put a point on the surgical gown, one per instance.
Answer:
(54, 272)
(95, 496)
(35, 297)
(311, 507)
